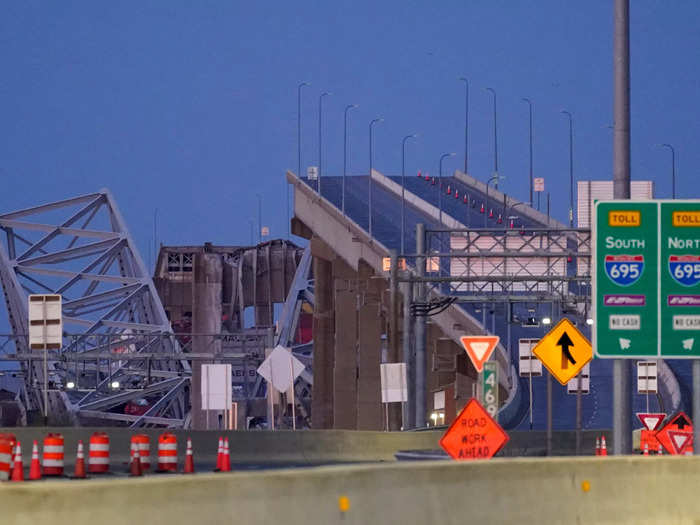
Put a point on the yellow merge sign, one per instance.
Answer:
(564, 351)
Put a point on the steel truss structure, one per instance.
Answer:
(531, 265)
(81, 249)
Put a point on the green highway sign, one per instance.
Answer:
(490, 388)
(679, 267)
(646, 279)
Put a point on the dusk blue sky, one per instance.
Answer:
(190, 107)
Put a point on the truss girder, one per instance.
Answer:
(510, 262)
(81, 248)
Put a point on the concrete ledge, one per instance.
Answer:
(634, 490)
(305, 447)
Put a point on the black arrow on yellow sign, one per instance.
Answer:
(565, 342)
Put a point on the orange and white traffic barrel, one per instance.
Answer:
(98, 453)
(6, 449)
(143, 446)
(13, 441)
(52, 459)
(167, 452)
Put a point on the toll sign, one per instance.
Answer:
(473, 434)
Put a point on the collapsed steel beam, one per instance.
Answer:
(110, 294)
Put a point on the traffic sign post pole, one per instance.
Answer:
(579, 418)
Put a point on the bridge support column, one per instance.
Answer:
(206, 319)
(323, 330)
(370, 411)
(346, 294)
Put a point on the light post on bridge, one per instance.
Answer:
(571, 167)
(320, 138)
(443, 157)
(371, 125)
(673, 168)
(466, 123)
(495, 136)
(495, 177)
(345, 150)
(529, 103)
(403, 188)
(513, 207)
(289, 231)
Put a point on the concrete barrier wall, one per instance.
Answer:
(635, 490)
(308, 446)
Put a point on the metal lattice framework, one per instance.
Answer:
(536, 264)
(80, 248)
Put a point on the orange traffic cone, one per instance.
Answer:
(80, 462)
(227, 457)
(35, 467)
(17, 467)
(603, 447)
(660, 451)
(597, 446)
(135, 465)
(220, 456)
(189, 459)
(646, 449)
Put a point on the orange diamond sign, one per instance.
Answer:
(474, 434)
(479, 348)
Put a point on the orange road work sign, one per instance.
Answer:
(474, 434)
(479, 348)
(564, 351)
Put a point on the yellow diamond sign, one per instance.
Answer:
(564, 351)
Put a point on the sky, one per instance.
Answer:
(187, 111)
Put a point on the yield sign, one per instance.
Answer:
(676, 436)
(680, 440)
(564, 351)
(474, 434)
(281, 368)
(479, 348)
(651, 421)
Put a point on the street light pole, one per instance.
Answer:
(320, 138)
(571, 167)
(495, 136)
(259, 217)
(466, 124)
(443, 157)
(371, 125)
(403, 188)
(345, 150)
(495, 177)
(673, 168)
(529, 103)
(289, 227)
(511, 210)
